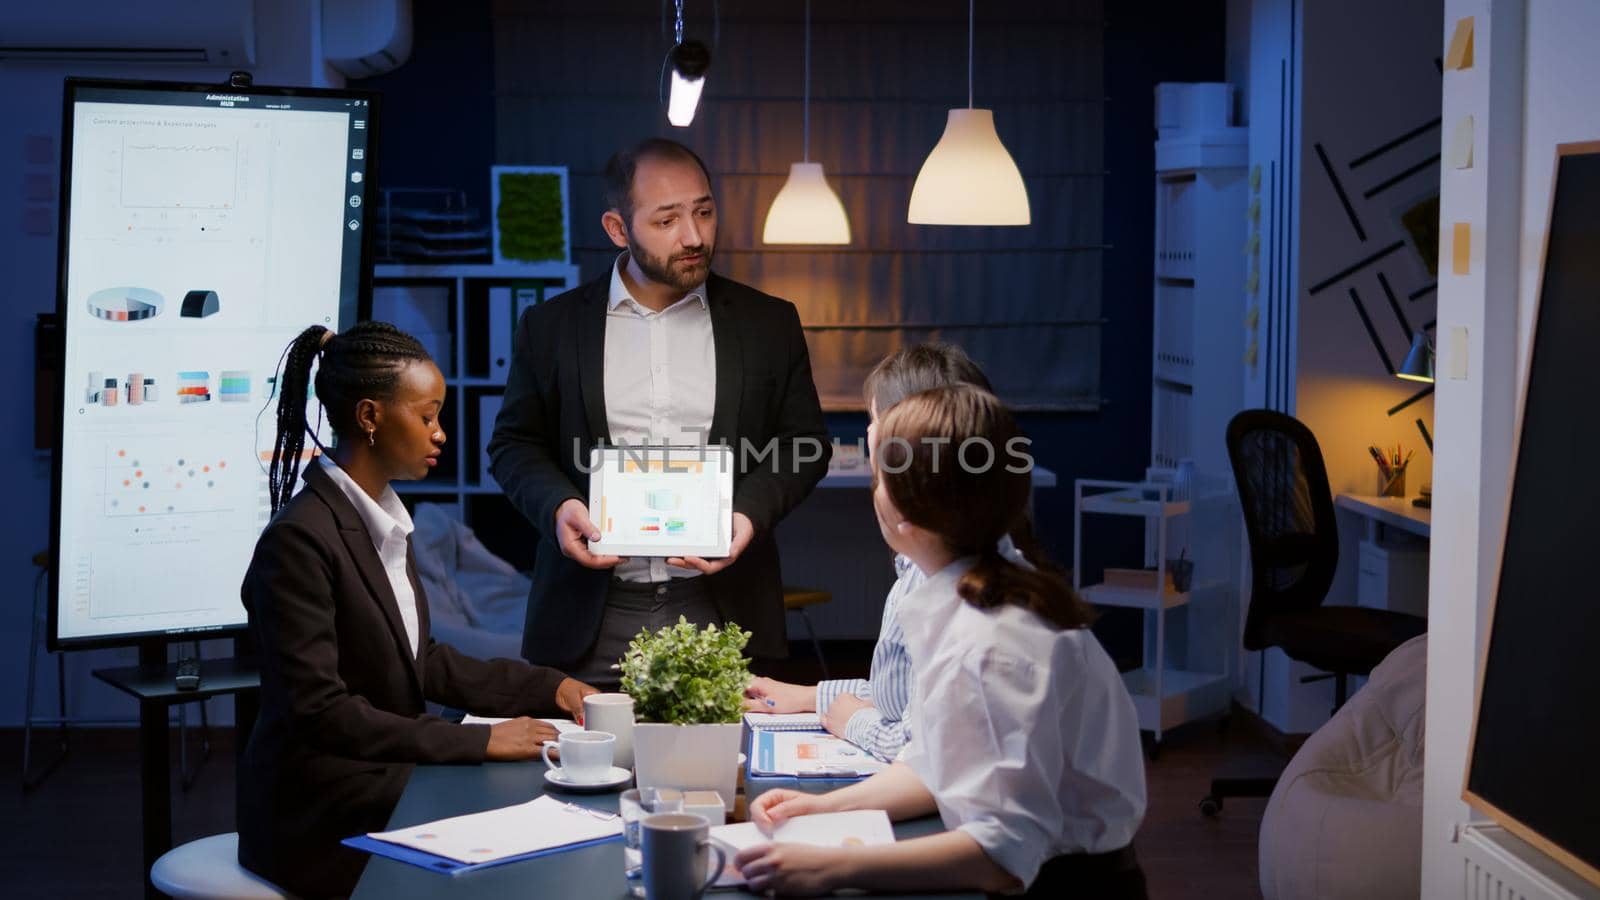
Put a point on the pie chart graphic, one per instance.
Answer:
(125, 304)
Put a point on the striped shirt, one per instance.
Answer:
(883, 728)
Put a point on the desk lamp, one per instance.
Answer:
(1419, 361)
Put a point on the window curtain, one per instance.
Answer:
(576, 81)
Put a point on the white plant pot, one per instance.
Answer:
(688, 757)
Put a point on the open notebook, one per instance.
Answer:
(808, 754)
(783, 721)
(858, 828)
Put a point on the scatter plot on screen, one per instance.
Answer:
(153, 480)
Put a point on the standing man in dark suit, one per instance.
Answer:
(659, 350)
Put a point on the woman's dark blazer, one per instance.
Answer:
(342, 718)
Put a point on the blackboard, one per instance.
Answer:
(1535, 763)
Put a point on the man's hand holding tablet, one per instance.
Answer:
(574, 531)
(743, 531)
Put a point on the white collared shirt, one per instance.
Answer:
(660, 384)
(1025, 735)
(390, 525)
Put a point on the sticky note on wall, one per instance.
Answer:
(1459, 54)
(1461, 248)
(1461, 144)
(1456, 354)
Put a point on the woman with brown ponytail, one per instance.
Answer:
(1026, 742)
(875, 713)
(341, 622)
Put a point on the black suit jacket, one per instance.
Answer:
(555, 412)
(342, 716)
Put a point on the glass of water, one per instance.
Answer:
(636, 804)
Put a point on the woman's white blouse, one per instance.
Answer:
(1025, 736)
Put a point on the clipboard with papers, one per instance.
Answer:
(540, 827)
(808, 754)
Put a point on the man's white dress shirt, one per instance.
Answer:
(660, 384)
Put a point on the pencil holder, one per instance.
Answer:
(1394, 485)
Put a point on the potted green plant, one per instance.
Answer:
(687, 685)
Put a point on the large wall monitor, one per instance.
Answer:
(202, 228)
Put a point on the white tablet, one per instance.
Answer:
(662, 501)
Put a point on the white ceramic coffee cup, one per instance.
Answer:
(613, 713)
(676, 849)
(585, 755)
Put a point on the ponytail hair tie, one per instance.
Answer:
(327, 335)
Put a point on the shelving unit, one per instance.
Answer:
(1168, 689)
(1199, 296)
(466, 316)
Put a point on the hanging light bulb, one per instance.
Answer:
(689, 63)
(806, 210)
(969, 178)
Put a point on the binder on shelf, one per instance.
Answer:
(502, 329)
(488, 411)
(523, 295)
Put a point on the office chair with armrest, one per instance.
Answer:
(1294, 549)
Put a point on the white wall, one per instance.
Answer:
(288, 52)
(1529, 90)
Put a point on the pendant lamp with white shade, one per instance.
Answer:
(969, 178)
(806, 210)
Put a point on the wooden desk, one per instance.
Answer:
(436, 792)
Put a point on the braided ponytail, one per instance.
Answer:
(363, 362)
(293, 390)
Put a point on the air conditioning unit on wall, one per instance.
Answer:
(205, 32)
(362, 38)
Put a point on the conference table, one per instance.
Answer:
(436, 792)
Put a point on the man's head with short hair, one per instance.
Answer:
(660, 209)
(624, 165)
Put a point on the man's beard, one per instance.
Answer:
(666, 271)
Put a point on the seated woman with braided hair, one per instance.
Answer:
(341, 622)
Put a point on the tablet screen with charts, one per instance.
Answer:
(662, 501)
